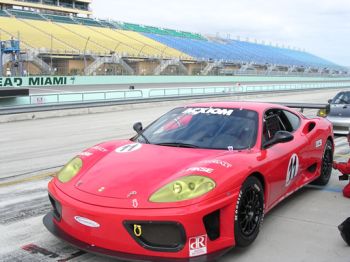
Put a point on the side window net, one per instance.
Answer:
(273, 125)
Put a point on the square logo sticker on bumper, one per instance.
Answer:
(198, 245)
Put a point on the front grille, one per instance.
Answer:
(342, 128)
(57, 208)
(157, 236)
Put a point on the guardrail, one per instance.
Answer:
(282, 87)
(63, 98)
(188, 91)
(240, 89)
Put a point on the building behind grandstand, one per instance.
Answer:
(60, 37)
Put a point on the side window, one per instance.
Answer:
(342, 98)
(294, 120)
(279, 120)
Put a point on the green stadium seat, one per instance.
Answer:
(60, 19)
(25, 14)
(109, 24)
(88, 21)
(3, 13)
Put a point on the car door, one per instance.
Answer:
(283, 159)
(340, 105)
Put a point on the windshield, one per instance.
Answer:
(213, 128)
(342, 98)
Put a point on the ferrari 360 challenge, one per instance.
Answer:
(191, 185)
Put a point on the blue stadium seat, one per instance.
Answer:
(240, 51)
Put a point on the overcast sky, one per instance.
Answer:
(321, 27)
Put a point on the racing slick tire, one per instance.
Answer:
(249, 212)
(326, 165)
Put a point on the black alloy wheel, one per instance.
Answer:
(249, 212)
(326, 165)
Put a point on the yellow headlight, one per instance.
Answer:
(185, 188)
(70, 170)
(322, 113)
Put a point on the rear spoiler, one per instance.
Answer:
(303, 106)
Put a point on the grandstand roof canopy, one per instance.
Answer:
(75, 7)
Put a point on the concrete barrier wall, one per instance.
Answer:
(39, 81)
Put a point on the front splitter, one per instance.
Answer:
(56, 231)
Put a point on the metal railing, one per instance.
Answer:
(188, 91)
(64, 98)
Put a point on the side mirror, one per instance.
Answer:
(138, 127)
(330, 101)
(279, 137)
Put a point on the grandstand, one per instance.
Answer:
(60, 37)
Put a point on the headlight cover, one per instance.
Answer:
(70, 170)
(185, 188)
(322, 113)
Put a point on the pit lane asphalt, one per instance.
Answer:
(302, 228)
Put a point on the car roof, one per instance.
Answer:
(256, 106)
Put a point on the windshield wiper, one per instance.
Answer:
(175, 144)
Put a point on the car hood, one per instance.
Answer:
(141, 169)
(341, 110)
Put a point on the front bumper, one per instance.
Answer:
(112, 238)
(56, 231)
(341, 125)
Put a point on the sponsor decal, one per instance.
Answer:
(135, 203)
(201, 169)
(211, 111)
(11, 82)
(318, 143)
(87, 154)
(128, 148)
(86, 222)
(293, 168)
(99, 148)
(132, 193)
(218, 162)
(237, 205)
(38, 100)
(47, 81)
(198, 245)
(35, 81)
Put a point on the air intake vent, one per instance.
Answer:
(156, 235)
(212, 225)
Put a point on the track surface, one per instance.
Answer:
(302, 228)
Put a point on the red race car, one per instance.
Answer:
(191, 185)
